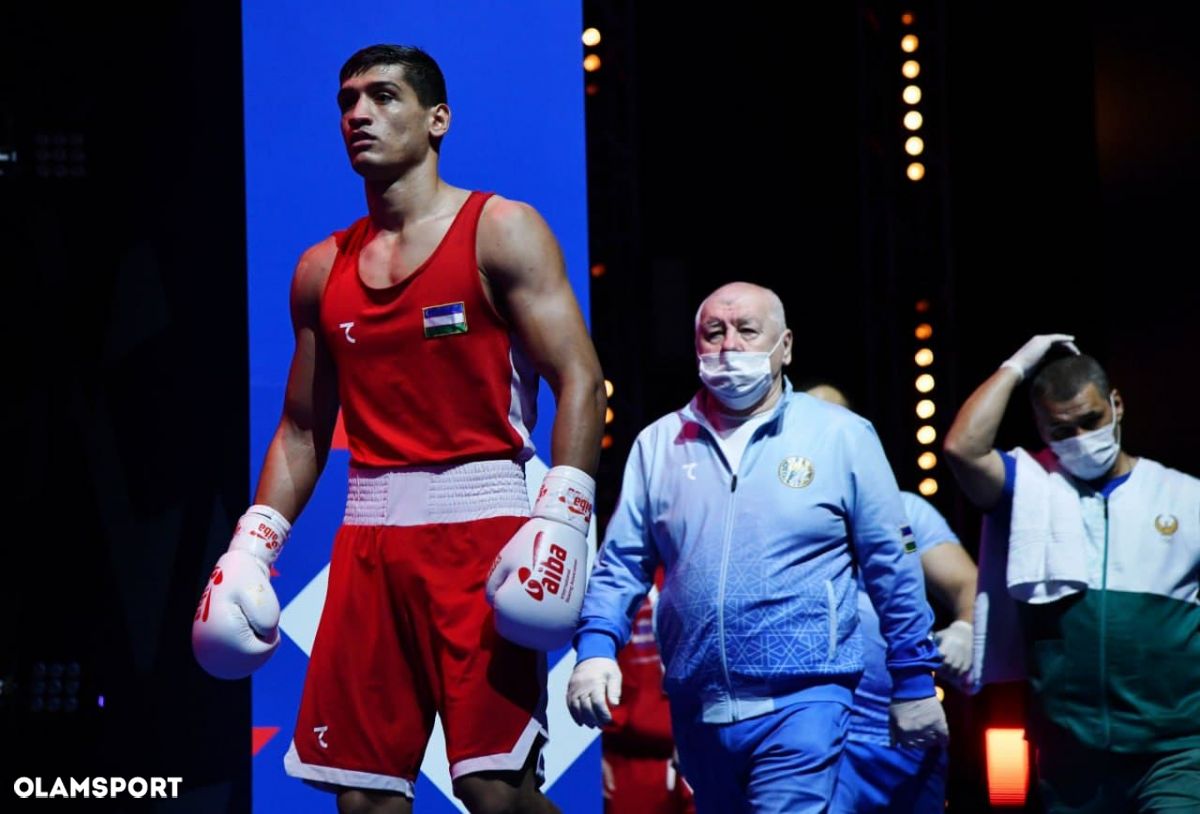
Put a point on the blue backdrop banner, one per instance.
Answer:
(515, 84)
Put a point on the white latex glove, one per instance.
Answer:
(918, 724)
(1027, 358)
(955, 643)
(594, 681)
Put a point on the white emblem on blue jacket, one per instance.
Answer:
(795, 471)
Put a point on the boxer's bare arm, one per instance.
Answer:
(300, 447)
(524, 269)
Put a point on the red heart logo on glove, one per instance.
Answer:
(532, 586)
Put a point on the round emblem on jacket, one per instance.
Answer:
(1166, 524)
(795, 471)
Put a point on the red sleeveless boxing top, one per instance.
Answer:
(428, 373)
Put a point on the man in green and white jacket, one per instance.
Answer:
(1110, 639)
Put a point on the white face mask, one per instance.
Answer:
(738, 379)
(1092, 454)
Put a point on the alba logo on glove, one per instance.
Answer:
(268, 535)
(575, 501)
(578, 504)
(552, 570)
(206, 598)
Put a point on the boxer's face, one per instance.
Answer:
(384, 125)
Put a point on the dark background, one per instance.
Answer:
(1059, 198)
(124, 258)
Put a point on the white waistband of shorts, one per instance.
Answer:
(418, 496)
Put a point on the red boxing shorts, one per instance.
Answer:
(644, 785)
(406, 632)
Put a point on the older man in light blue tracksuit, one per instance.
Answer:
(762, 504)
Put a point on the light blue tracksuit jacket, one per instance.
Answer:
(760, 607)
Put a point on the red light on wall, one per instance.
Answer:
(1007, 767)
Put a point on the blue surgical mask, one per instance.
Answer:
(738, 379)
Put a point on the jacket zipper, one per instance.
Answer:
(721, 595)
(1105, 718)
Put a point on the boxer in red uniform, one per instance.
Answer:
(638, 762)
(428, 322)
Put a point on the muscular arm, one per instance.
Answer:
(301, 443)
(524, 269)
(970, 443)
(950, 576)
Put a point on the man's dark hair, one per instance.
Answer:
(1063, 378)
(421, 71)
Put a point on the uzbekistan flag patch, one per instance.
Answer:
(444, 320)
(909, 540)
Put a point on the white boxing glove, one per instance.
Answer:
(1031, 353)
(236, 627)
(538, 580)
